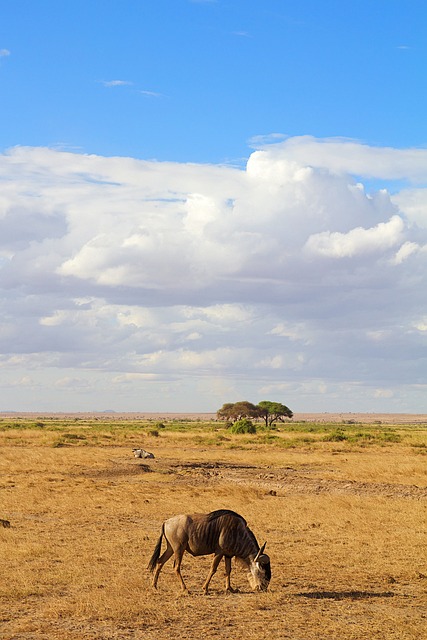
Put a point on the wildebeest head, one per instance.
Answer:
(260, 571)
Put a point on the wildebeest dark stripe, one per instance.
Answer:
(242, 540)
(227, 512)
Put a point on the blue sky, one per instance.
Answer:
(203, 201)
(197, 80)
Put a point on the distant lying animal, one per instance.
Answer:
(223, 533)
(141, 453)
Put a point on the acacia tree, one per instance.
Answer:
(272, 412)
(233, 411)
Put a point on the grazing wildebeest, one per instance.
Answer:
(223, 533)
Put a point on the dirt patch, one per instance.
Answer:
(345, 595)
(287, 480)
(114, 471)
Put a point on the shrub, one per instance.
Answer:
(244, 425)
(390, 436)
(335, 436)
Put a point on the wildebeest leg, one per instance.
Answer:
(160, 562)
(228, 586)
(215, 562)
(177, 566)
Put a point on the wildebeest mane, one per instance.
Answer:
(213, 515)
(211, 526)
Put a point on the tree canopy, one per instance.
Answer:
(273, 412)
(270, 412)
(233, 411)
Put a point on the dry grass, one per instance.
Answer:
(344, 521)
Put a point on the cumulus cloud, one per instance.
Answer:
(343, 156)
(177, 284)
(378, 239)
(414, 203)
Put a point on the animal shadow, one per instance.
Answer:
(345, 595)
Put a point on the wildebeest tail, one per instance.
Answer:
(156, 554)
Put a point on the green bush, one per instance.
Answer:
(244, 425)
(335, 436)
(390, 436)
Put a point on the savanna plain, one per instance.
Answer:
(340, 500)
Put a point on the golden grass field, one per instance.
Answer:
(341, 501)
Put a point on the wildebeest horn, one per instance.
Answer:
(260, 552)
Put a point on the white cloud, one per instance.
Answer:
(292, 331)
(343, 156)
(151, 94)
(413, 203)
(116, 83)
(73, 384)
(407, 249)
(421, 325)
(383, 393)
(174, 282)
(4, 53)
(384, 236)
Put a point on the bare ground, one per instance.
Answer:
(347, 543)
(288, 480)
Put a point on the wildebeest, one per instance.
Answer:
(223, 533)
(142, 453)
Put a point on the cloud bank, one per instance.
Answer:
(138, 285)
